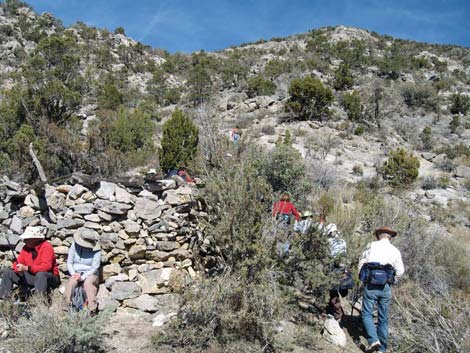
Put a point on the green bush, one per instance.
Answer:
(110, 96)
(120, 30)
(47, 328)
(351, 102)
(426, 138)
(309, 99)
(420, 96)
(259, 86)
(343, 78)
(274, 68)
(460, 104)
(400, 169)
(454, 124)
(179, 142)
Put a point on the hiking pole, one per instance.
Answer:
(23, 283)
(357, 294)
(12, 251)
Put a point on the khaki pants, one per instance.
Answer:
(90, 285)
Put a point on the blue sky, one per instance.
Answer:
(190, 25)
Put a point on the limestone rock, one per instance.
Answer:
(152, 281)
(16, 225)
(131, 227)
(146, 209)
(161, 319)
(333, 333)
(137, 252)
(70, 223)
(76, 191)
(110, 270)
(112, 207)
(167, 245)
(144, 302)
(123, 196)
(176, 197)
(125, 290)
(84, 209)
(121, 277)
(106, 191)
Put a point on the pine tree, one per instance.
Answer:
(179, 141)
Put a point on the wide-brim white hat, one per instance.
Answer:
(33, 233)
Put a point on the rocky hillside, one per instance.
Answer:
(365, 128)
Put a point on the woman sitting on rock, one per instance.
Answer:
(83, 264)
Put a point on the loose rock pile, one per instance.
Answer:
(147, 233)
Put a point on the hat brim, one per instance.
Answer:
(31, 236)
(385, 230)
(86, 244)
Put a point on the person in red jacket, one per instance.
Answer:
(284, 208)
(36, 265)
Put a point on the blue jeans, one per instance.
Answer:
(382, 295)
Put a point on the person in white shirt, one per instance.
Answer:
(384, 258)
(305, 224)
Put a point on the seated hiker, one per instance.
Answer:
(305, 224)
(235, 135)
(83, 263)
(36, 265)
(283, 209)
(185, 176)
(337, 250)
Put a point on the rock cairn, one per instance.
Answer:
(147, 232)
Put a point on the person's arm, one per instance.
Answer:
(94, 266)
(44, 260)
(70, 257)
(275, 209)
(19, 260)
(295, 212)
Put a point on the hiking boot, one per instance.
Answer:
(373, 347)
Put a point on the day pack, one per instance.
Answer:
(78, 298)
(377, 274)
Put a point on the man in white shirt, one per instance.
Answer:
(383, 253)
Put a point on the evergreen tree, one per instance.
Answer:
(343, 78)
(179, 141)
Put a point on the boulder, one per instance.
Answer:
(117, 208)
(147, 209)
(148, 195)
(462, 171)
(131, 227)
(157, 255)
(84, 209)
(70, 223)
(161, 319)
(160, 185)
(121, 277)
(123, 196)
(76, 191)
(16, 225)
(106, 191)
(111, 270)
(56, 201)
(125, 290)
(144, 302)
(333, 332)
(137, 252)
(175, 197)
(152, 281)
(92, 218)
(167, 245)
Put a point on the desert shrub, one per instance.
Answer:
(268, 130)
(358, 170)
(420, 96)
(110, 97)
(120, 30)
(284, 169)
(460, 104)
(179, 141)
(343, 78)
(260, 86)
(455, 151)
(351, 102)
(400, 169)
(274, 68)
(359, 130)
(429, 183)
(426, 138)
(454, 124)
(47, 328)
(430, 322)
(309, 99)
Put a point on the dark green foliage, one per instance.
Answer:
(460, 104)
(53, 80)
(131, 132)
(351, 102)
(454, 124)
(233, 72)
(393, 62)
(309, 99)
(120, 30)
(179, 142)
(260, 86)
(11, 6)
(199, 81)
(110, 96)
(426, 138)
(274, 68)
(343, 78)
(400, 169)
(416, 96)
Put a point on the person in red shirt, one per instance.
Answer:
(284, 208)
(36, 265)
